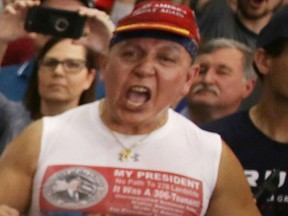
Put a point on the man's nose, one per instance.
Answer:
(209, 76)
(145, 67)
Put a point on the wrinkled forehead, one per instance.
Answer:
(152, 46)
(64, 4)
(187, 43)
(147, 43)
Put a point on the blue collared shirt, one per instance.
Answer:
(14, 80)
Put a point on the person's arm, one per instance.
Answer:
(232, 194)
(17, 168)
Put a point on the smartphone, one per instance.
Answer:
(56, 22)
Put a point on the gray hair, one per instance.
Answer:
(219, 43)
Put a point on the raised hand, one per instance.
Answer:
(12, 20)
(98, 31)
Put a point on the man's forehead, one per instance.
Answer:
(222, 51)
(144, 41)
(220, 56)
(151, 44)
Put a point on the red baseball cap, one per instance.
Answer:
(163, 16)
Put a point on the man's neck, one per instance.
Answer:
(254, 25)
(271, 118)
(130, 126)
(204, 115)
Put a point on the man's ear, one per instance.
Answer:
(191, 75)
(249, 87)
(262, 61)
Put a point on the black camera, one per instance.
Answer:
(57, 22)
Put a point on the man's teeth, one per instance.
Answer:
(137, 96)
(139, 89)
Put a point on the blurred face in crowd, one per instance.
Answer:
(144, 76)
(221, 83)
(275, 73)
(256, 9)
(63, 75)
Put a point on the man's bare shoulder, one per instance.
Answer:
(23, 151)
(18, 165)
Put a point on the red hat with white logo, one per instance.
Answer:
(160, 16)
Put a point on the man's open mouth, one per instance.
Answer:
(137, 96)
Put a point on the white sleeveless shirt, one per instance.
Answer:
(79, 170)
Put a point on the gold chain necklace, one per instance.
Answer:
(127, 153)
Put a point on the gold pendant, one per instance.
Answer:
(126, 154)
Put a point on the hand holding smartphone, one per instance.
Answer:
(56, 22)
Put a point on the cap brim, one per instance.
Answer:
(153, 26)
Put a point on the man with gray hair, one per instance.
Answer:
(258, 136)
(226, 78)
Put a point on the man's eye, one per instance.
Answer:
(128, 54)
(203, 70)
(222, 72)
(167, 59)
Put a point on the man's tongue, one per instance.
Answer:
(137, 99)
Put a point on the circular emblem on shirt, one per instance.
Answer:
(75, 188)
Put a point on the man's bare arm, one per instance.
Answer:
(17, 168)
(232, 194)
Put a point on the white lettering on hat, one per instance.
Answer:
(173, 12)
(160, 8)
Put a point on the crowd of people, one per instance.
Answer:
(258, 136)
(159, 108)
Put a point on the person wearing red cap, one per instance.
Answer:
(132, 153)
